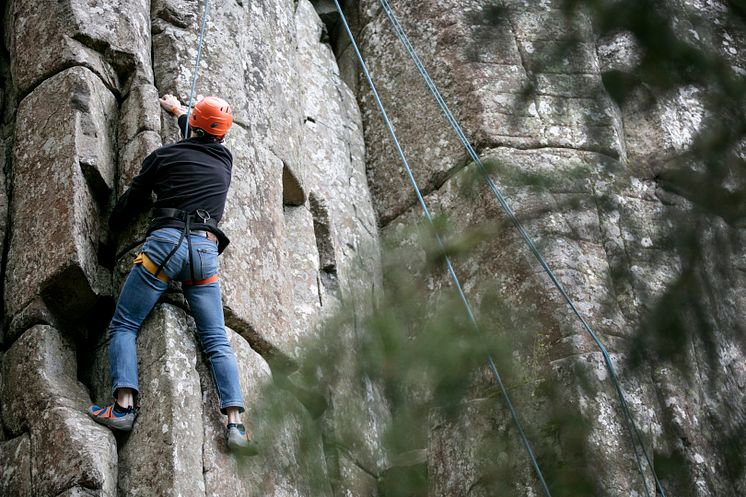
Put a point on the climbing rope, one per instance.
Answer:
(441, 246)
(196, 66)
(632, 429)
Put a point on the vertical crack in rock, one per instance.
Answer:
(530, 77)
(41, 395)
(292, 191)
(322, 232)
(616, 276)
(7, 123)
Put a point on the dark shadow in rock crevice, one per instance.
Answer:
(324, 244)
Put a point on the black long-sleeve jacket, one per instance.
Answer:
(187, 175)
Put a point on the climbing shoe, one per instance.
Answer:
(114, 416)
(238, 441)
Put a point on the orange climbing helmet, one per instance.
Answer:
(212, 115)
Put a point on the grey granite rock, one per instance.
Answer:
(3, 200)
(140, 112)
(483, 57)
(581, 170)
(79, 492)
(36, 312)
(41, 394)
(278, 160)
(256, 295)
(244, 63)
(111, 39)
(63, 163)
(355, 481)
(308, 292)
(280, 468)
(163, 453)
(15, 466)
(55, 467)
(334, 152)
(39, 372)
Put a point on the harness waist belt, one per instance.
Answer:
(207, 234)
(199, 216)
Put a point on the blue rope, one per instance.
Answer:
(441, 246)
(196, 66)
(632, 429)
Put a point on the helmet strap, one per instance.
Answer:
(201, 133)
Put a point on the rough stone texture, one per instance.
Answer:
(299, 215)
(3, 436)
(354, 481)
(138, 136)
(62, 156)
(55, 467)
(287, 146)
(15, 467)
(3, 197)
(255, 293)
(78, 492)
(454, 457)
(586, 188)
(40, 394)
(567, 214)
(308, 295)
(345, 227)
(334, 152)
(264, 141)
(39, 372)
(161, 456)
(590, 217)
(109, 38)
(580, 171)
(482, 62)
(357, 406)
(36, 312)
(244, 62)
(278, 470)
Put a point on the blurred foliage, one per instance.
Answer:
(415, 368)
(413, 371)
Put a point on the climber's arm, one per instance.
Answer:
(137, 196)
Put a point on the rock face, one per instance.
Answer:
(66, 166)
(584, 175)
(80, 95)
(42, 397)
(171, 396)
(315, 181)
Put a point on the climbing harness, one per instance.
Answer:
(187, 219)
(150, 266)
(441, 246)
(632, 429)
(201, 216)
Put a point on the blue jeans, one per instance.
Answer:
(142, 290)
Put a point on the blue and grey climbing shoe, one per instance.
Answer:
(238, 441)
(114, 416)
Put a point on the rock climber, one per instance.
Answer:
(190, 179)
